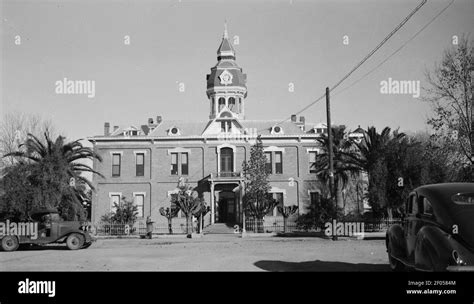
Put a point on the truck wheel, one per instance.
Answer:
(74, 241)
(10, 243)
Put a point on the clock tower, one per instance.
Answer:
(226, 84)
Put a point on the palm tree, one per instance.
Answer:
(54, 167)
(373, 150)
(344, 159)
(70, 154)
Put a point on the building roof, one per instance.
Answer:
(196, 128)
(225, 48)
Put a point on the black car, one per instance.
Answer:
(50, 228)
(437, 231)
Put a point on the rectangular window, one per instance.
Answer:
(184, 163)
(229, 126)
(140, 164)
(116, 161)
(222, 126)
(268, 164)
(312, 161)
(139, 202)
(278, 163)
(114, 201)
(174, 163)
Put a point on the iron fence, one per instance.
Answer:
(138, 228)
(114, 229)
(177, 227)
(271, 224)
(277, 224)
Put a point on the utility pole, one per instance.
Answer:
(331, 164)
(330, 154)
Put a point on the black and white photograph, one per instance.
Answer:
(149, 137)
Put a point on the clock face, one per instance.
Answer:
(226, 77)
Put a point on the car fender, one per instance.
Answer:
(87, 237)
(395, 242)
(432, 249)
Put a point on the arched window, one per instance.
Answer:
(227, 160)
(232, 104)
(221, 103)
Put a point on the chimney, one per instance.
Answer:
(150, 121)
(158, 120)
(116, 128)
(293, 118)
(106, 129)
(301, 124)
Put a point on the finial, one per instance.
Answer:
(226, 35)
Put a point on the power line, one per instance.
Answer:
(397, 50)
(364, 59)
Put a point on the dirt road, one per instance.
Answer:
(209, 253)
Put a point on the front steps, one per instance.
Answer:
(219, 228)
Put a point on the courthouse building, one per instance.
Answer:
(143, 162)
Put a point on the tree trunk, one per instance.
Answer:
(189, 224)
(260, 225)
(284, 224)
(170, 227)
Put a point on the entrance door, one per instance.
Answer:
(226, 211)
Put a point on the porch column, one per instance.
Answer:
(213, 214)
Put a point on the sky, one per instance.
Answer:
(175, 41)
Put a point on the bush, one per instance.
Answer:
(126, 212)
(318, 215)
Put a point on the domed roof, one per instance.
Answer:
(226, 72)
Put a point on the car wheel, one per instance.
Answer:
(87, 245)
(10, 243)
(74, 241)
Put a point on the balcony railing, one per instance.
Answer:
(226, 175)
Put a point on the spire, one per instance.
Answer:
(226, 35)
(225, 50)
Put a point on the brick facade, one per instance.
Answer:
(213, 150)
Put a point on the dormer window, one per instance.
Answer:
(226, 126)
(174, 131)
(130, 132)
(276, 130)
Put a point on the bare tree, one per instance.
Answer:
(14, 127)
(451, 96)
